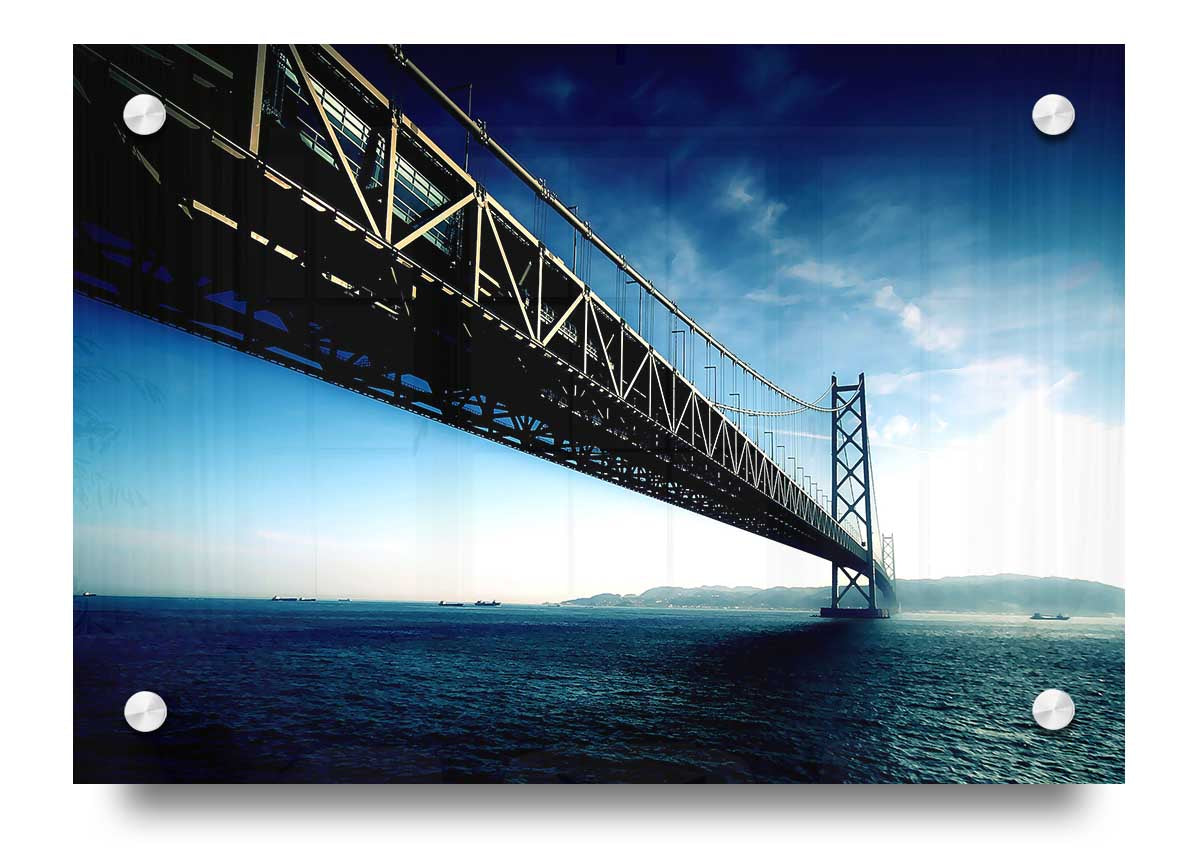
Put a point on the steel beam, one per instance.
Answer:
(389, 197)
(302, 72)
(424, 228)
(260, 71)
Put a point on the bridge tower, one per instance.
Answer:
(851, 498)
(889, 565)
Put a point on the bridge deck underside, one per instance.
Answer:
(174, 230)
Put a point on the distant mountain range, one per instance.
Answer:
(994, 593)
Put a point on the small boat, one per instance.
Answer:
(285, 598)
(342, 600)
(88, 595)
(449, 603)
(308, 599)
(487, 603)
(1059, 617)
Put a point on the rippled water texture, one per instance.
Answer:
(368, 692)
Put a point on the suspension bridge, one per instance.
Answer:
(291, 210)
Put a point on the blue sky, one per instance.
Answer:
(889, 210)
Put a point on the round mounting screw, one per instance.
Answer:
(1053, 114)
(144, 114)
(145, 711)
(1053, 709)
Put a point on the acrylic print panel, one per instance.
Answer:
(597, 414)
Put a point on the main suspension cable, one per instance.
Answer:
(806, 406)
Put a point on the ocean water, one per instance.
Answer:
(381, 692)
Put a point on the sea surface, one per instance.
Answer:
(382, 692)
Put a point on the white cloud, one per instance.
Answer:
(771, 296)
(985, 387)
(684, 265)
(737, 193)
(825, 274)
(887, 299)
(1037, 491)
(765, 223)
(926, 333)
(742, 194)
(897, 427)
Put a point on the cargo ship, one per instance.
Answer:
(487, 603)
(449, 603)
(1058, 617)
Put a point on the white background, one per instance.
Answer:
(1151, 815)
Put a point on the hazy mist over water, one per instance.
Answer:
(375, 692)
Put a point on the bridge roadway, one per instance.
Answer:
(229, 225)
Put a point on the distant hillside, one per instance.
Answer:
(995, 593)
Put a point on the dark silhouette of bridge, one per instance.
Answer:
(290, 210)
